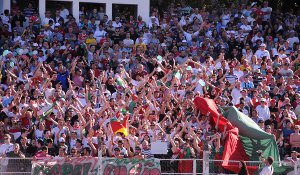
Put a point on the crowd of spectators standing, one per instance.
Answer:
(62, 80)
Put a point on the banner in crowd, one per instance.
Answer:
(89, 166)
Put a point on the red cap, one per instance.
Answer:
(273, 101)
(289, 88)
(33, 18)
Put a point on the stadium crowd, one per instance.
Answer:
(62, 80)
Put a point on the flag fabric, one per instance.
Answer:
(245, 137)
(252, 136)
(117, 126)
(120, 81)
(45, 114)
(233, 148)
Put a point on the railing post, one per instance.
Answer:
(194, 166)
(100, 168)
(296, 168)
(205, 162)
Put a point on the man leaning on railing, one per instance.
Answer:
(15, 162)
(5, 148)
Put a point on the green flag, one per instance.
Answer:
(45, 114)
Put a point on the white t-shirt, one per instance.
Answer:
(116, 25)
(5, 148)
(247, 28)
(267, 10)
(236, 95)
(293, 40)
(225, 19)
(263, 113)
(39, 134)
(267, 170)
(99, 34)
(55, 131)
(259, 53)
(46, 21)
(64, 14)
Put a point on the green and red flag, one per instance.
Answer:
(244, 138)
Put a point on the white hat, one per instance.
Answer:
(35, 44)
(35, 52)
(184, 41)
(57, 24)
(262, 45)
(262, 99)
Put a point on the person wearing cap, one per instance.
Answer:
(257, 78)
(263, 110)
(292, 38)
(262, 52)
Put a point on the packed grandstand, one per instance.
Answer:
(187, 80)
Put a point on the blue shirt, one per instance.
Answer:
(63, 78)
(248, 85)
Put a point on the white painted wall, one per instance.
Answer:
(143, 6)
(4, 4)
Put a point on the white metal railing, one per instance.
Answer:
(11, 165)
(168, 166)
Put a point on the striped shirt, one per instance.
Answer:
(257, 80)
(231, 78)
(147, 153)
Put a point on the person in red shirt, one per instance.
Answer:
(83, 35)
(43, 154)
